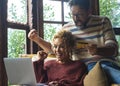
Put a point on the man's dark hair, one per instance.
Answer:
(84, 4)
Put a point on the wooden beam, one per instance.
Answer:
(94, 6)
(3, 41)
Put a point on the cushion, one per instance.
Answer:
(115, 85)
(96, 77)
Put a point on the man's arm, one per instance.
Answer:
(111, 45)
(108, 50)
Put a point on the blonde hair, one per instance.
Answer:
(68, 39)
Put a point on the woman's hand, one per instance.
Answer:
(53, 83)
(32, 35)
(41, 55)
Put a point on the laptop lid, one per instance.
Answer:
(20, 71)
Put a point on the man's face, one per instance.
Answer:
(79, 15)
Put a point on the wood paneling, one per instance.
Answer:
(3, 41)
(94, 5)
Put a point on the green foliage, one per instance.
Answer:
(16, 42)
(23, 17)
(18, 13)
(12, 12)
(110, 8)
(17, 38)
(47, 9)
(49, 29)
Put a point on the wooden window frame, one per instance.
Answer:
(4, 25)
(38, 21)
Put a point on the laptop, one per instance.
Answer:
(20, 71)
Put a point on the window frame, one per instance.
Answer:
(4, 25)
(20, 26)
(38, 20)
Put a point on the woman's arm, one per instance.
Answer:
(46, 46)
(40, 72)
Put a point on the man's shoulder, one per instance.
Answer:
(69, 26)
(96, 18)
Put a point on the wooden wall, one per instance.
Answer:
(3, 41)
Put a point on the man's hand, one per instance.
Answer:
(92, 49)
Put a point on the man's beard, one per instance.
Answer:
(79, 26)
(78, 23)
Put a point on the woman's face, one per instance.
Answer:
(59, 49)
(79, 15)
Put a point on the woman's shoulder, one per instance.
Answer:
(49, 62)
(79, 62)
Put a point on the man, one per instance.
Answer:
(94, 35)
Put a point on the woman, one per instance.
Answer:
(61, 71)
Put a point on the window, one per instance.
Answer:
(15, 21)
(47, 18)
(55, 14)
(17, 12)
(18, 25)
(111, 9)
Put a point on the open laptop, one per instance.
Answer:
(20, 71)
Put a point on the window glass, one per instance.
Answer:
(16, 42)
(118, 39)
(111, 9)
(50, 30)
(67, 16)
(52, 10)
(17, 11)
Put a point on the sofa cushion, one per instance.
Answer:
(96, 77)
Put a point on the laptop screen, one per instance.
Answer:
(20, 71)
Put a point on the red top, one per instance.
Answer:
(68, 74)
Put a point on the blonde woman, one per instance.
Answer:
(62, 71)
